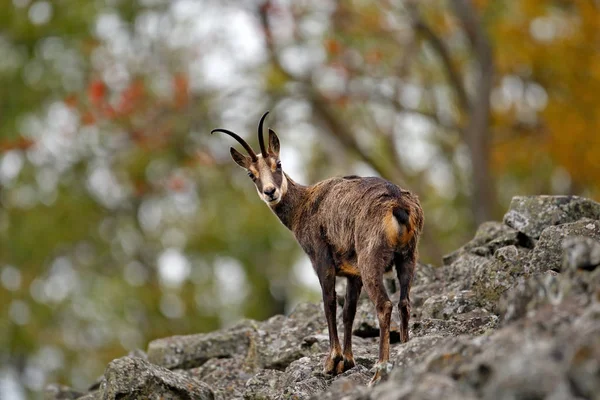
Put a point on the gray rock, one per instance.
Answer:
(135, 378)
(94, 386)
(532, 373)
(507, 254)
(449, 355)
(494, 279)
(460, 274)
(476, 322)
(427, 387)
(406, 355)
(420, 293)
(274, 343)
(90, 396)
(426, 274)
(281, 340)
(489, 237)
(529, 294)
(266, 385)
(583, 368)
(581, 253)
(304, 379)
(582, 284)
(499, 274)
(226, 376)
(449, 305)
(350, 384)
(549, 251)
(61, 392)
(423, 327)
(194, 350)
(532, 214)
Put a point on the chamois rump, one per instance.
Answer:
(354, 227)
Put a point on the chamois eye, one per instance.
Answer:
(278, 164)
(251, 175)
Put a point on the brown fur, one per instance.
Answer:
(352, 227)
(345, 269)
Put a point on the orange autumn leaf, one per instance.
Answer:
(71, 101)
(96, 92)
(332, 46)
(21, 143)
(130, 97)
(182, 86)
(176, 184)
(88, 118)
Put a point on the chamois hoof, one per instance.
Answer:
(340, 368)
(332, 365)
(382, 370)
(349, 363)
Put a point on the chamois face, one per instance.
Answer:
(265, 172)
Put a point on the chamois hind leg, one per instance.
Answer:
(405, 268)
(327, 280)
(372, 267)
(353, 289)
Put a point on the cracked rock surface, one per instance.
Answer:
(512, 314)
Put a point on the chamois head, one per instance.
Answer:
(264, 169)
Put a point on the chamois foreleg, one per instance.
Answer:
(353, 289)
(326, 276)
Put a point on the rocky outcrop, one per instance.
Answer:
(531, 215)
(514, 313)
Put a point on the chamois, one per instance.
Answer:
(354, 227)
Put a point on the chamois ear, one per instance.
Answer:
(273, 143)
(240, 159)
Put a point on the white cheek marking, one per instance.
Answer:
(284, 186)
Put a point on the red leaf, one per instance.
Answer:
(333, 46)
(108, 112)
(182, 87)
(130, 97)
(71, 101)
(96, 92)
(20, 143)
(176, 184)
(88, 118)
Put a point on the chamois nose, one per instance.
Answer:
(269, 191)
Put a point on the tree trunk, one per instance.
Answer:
(477, 133)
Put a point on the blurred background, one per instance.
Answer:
(123, 220)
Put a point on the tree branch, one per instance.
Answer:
(440, 47)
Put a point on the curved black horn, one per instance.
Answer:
(261, 141)
(239, 139)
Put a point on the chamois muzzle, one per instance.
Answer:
(270, 192)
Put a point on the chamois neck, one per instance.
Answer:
(290, 205)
